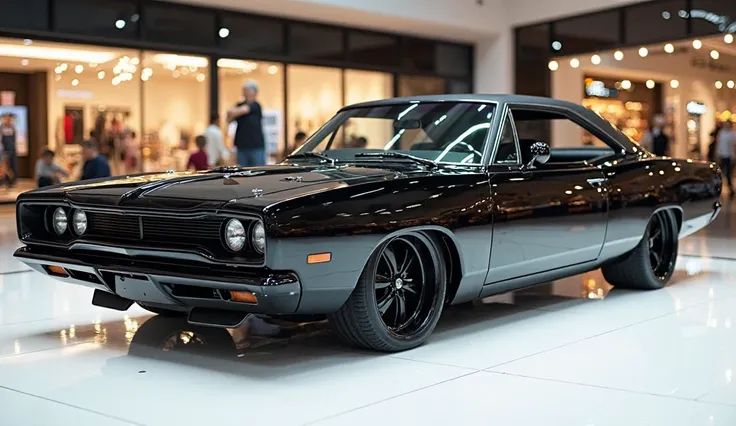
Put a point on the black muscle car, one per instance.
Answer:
(391, 211)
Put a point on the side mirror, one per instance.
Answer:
(540, 154)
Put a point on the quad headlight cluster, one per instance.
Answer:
(60, 221)
(236, 236)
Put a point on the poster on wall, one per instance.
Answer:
(272, 131)
(20, 122)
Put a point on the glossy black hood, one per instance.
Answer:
(257, 186)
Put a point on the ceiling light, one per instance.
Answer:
(273, 69)
(115, 81)
(674, 84)
(55, 54)
(618, 55)
(120, 24)
(224, 32)
(595, 59)
(626, 84)
(200, 78)
(719, 85)
(643, 51)
(27, 42)
(666, 15)
(170, 60)
(57, 77)
(669, 48)
(556, 45)
(101, 75)
(176, 74)
(237, 64)
(135, 61)
(79, 69)
(728, 38)
(553, 65)
(697, 44)
(75, 82)
(650, 84)
(63, 67)
(574, 62)
(24, 62)
(714, 54)
(730, 84)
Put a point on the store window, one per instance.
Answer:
(26, 15)
(365, 86)
(713, 17)
(316, 42)
(233, 74)
(453, 60)
(598, 31)
(410, 85)
(533, 46)
(251, 35)
(458, 87)
(179, 24)
(104, 18)
(314, 96)
(655, 21)
(175, 99)
(373, 49)
(419, 55)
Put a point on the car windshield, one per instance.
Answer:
(444, 132)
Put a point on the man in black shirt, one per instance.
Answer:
(249, 139)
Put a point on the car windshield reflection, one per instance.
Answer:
(442, 132)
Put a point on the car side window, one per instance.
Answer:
(507, 152)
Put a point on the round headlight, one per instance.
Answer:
(259, 237)
(79, 220)
(60, 221)
(235, 235)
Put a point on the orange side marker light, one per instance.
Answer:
(56, 270)
(243, 297)
(319, 258)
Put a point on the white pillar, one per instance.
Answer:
(494, 64)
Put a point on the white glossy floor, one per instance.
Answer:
(571, 353)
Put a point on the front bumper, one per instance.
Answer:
(175, 286)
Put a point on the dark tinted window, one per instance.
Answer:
(315, 42)
(419, 55)
(373, 49)
(713, 16)
(107, 18)
(453, 60)
(250, 34)
(586, 33)
(26, 14)
(655, 21)
(179, 25)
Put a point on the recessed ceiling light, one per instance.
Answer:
(200, 77)
(79, 69)
(120, 24)
(556, 45)
(224, 32)
(719, 85)
(618, 55)
(553, 65)
(669, 48)
(650, 84)
(728, 38)
(730, 84)
(27, 42)
(101, 75)
(24, 62)
(714, 54)
(674, 84)
(574, 62)
(626, 84)
(595, 59)
(643, 52)
(75, 82)
(697, 44)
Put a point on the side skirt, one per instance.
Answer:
(536, 279)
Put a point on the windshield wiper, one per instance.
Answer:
(311, 154)
(392, 154)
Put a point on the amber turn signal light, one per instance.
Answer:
(243, 297)
(319, 258)
(56, 270)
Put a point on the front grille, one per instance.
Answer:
(115, 227)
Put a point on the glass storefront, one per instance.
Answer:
(146, 107)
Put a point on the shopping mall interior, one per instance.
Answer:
(98, 329)
(690, 83)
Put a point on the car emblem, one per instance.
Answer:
(297, 179)
(258, 192)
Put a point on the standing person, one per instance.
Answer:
(660, 141)
(132, 150)
(217, 152)
(299, 139)
(7, 133)
(198, 159)
(713, 143)
(249, 139)
(47, 171)
(95, 165)
(725, 144)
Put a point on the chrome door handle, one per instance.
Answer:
(596, 181)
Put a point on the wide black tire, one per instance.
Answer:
(360, 321)
(651, 264)
(164, 312)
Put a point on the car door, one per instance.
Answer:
(545, 218)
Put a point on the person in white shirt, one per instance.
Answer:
(217, 152)
(725, 144)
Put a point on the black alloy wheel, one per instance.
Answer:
(399, 298)
(662, 245)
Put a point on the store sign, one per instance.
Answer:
(73, 94)
(598, 89)
(696, 108)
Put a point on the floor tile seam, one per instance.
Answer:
(20, 271)
(614, 389)
(442, 364)
(470, 373)
(54, 401)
